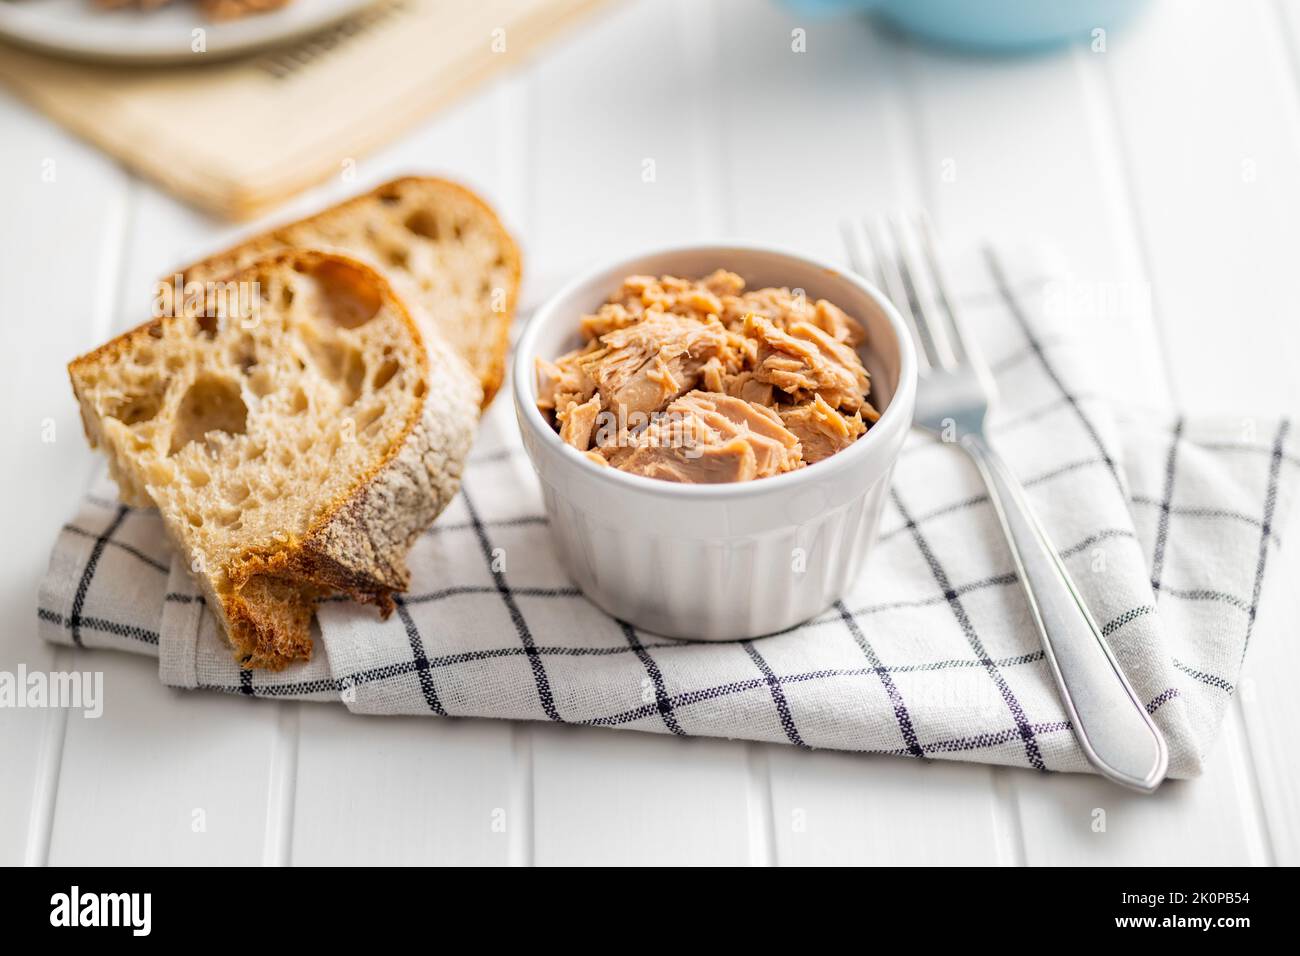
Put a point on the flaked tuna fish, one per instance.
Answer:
(578, 422)
(821, 429)
(640, 368)
(703, 381)
(561, 382)
(806, 361)
(696, 437)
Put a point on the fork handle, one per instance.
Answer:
(1112, 726)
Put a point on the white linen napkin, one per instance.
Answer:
(1166, 523)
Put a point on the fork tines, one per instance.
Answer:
(898, 253)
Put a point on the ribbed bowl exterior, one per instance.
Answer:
(720, 589)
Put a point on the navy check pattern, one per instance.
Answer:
(1166, 521)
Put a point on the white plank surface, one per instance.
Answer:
(843, 809)
(1270, 709)
(53, 229)
(654, 800)
(162, 778)
(402, 792)
(1084, 822)
(1168, 164)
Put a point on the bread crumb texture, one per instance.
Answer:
(440, 245)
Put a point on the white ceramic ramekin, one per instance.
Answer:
(727, 561)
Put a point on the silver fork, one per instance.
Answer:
(953, 398)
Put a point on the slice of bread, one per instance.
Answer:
(441, 246)
(295, 432)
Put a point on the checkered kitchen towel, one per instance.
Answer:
(1167, 524)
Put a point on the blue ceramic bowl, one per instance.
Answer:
(990, 25)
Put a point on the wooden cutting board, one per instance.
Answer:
(238, 137)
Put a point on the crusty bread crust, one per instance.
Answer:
(358, 544)
(490, 364)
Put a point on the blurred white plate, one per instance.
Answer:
(79, 29)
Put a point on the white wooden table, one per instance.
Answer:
(1172, 158)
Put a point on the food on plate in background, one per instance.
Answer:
(215, 9)
(295, 433)
(704, 382)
